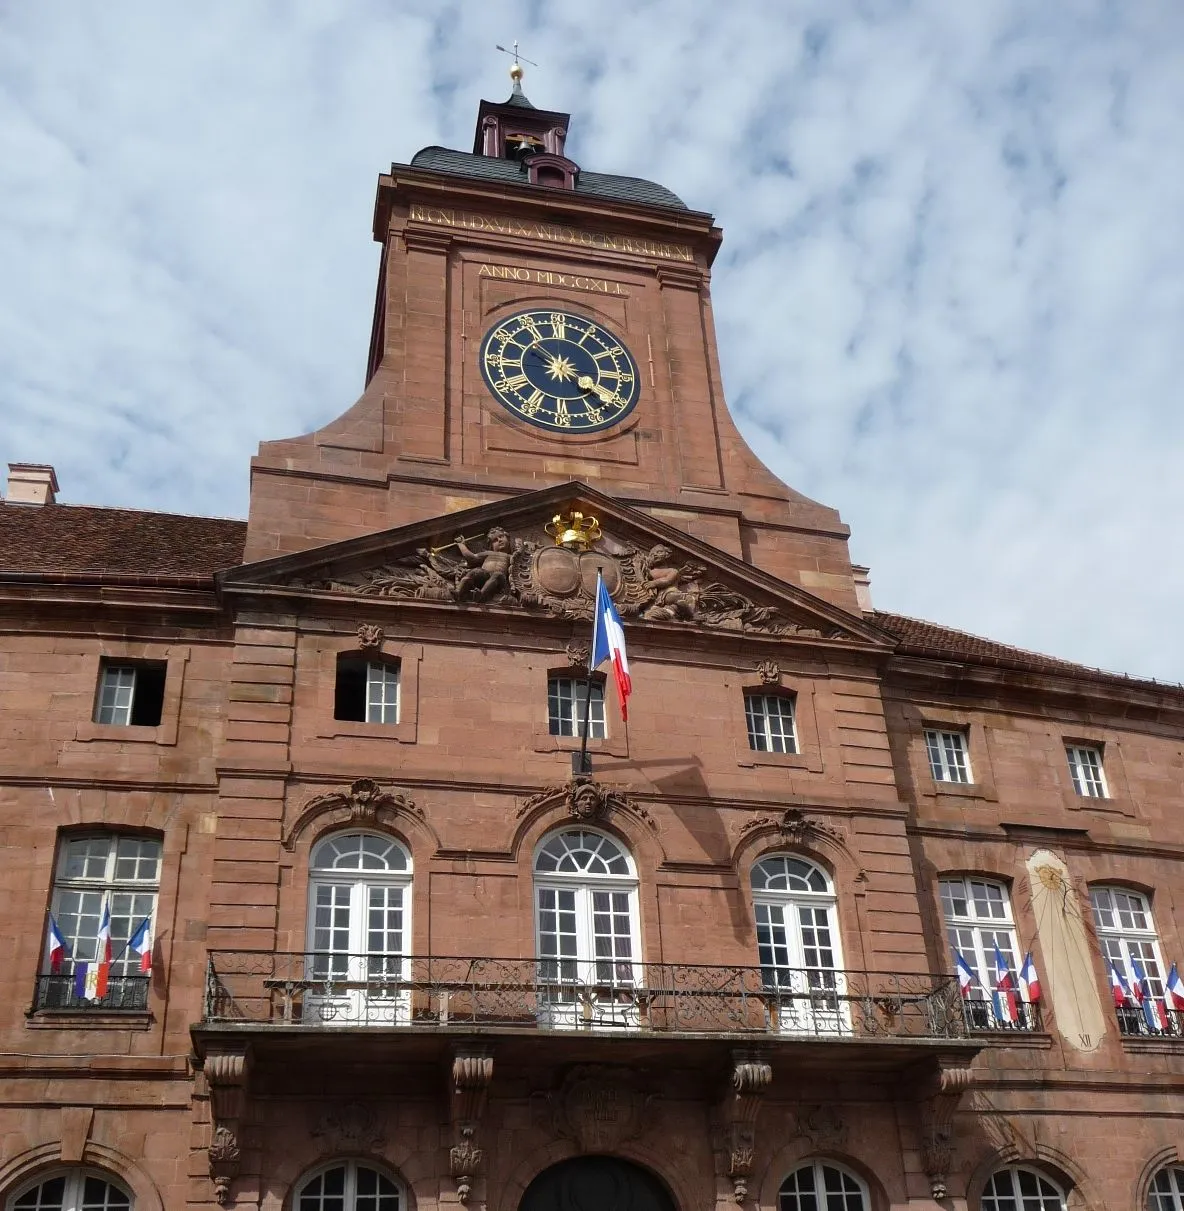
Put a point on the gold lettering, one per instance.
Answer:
(561, 414)
(534, 403)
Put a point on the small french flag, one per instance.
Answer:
(58, 948)
(965, 975)
(1029, 980)
(102, 968)
(1173, 993)
(141, 943)
(1153, 1013)
(1122, 994)
(1005, 989)
(608, 643)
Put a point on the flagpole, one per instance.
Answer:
(585, 766)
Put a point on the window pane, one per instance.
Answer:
(566, 704)
(382, 693)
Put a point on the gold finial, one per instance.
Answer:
(516, 72)
(573, 530)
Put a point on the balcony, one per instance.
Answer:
(985, 1014)
(125, 994)
(422, 993)
(1134, 1023)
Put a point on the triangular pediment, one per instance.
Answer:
(507, 559)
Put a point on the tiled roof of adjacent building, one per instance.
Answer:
(920, 638)
(77, 539)
(596, 184)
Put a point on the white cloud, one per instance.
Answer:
(949, 300)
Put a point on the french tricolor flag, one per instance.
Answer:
(1173, 993)
(1122, 994)
(90, 979)
(965, 975)
(1153, 1013)
(58, 948)
(1004, 990)
(141, 943)
(608, 643)
(1029, 980)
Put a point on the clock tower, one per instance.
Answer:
(535, 324)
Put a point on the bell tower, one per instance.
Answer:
(537, 323)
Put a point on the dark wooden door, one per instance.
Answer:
(595, 1183)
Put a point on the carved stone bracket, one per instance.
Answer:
(939, 1094)
(370, 636)
(472, 1072)
(749, 1080)
(769, 672)
(227, 1072)
(364, 803)
(795, 827)
(587, 800)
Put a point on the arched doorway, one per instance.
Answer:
(596, 1183)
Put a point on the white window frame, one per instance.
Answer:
(72, 1195)
(1016, 1198)
(349, 1199)
(809, 998)
(356, 987)
(986, 922)
(78, 899)
(382, 691)
(565, 707)
(577, 990)
(821, 1196)
(1171, 1196)
(119, 683)
(1087, 771)
(766, 716)
(1126, 930)
(948, 752)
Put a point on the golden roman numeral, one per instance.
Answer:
(561, 414)
(530, 326)
(531, 405)
(559, 326)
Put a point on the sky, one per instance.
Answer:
(950, 300)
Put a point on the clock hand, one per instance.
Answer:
(585, 383)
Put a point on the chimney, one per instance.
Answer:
(31, 484)
(863, 587)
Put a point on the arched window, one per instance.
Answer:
(1019, 1189)
(74, 1190)
(797, 941)
(1130, 945)
(586, 929)
(349, 1187)
(978, 922)
(1166, 1192)
(822, 1186)
(359, 926)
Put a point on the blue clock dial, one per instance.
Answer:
(559, 371)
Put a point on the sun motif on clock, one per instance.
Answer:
(559, 371)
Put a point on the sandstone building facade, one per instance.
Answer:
(381, 940)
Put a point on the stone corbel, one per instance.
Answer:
(751, 1075)
(472, 1072)
(227, 1074)
(940, 1092)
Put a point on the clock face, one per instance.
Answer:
(559, 371)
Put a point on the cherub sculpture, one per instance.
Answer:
(489, 571)
(663, 579)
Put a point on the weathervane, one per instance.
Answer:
(516, 70)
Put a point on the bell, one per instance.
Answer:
(573, 531)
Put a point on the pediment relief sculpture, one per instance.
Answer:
(527, 571)
(586, 800)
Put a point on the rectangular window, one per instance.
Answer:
(948, 760)
(566, 704)
(770, 723)
(367, 691)
(108, 873)
(130, 693)
(1085, 767)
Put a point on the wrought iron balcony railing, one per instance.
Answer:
(123, 993)
(1160, 1023)
(988, 1014)
(422, 992)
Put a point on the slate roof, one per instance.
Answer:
(510, 172)
(77, 539)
